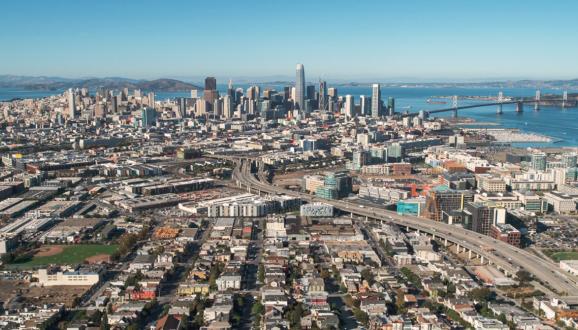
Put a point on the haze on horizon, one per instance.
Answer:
(419, 41)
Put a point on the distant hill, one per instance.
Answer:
(54, 83)
(173, 85)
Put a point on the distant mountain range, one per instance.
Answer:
(174, 85)
(57, 83)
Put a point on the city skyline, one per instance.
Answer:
(405, 42)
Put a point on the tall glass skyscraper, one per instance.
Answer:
(376, 101)
(300, 88)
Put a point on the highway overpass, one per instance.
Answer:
(503, 256)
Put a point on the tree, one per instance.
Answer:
(295, 314)
(524, 276)
(7, 258)
(367, 275)
(257, 308)
(261, 275)
(481, 294)
(104, 322)
(361, 316)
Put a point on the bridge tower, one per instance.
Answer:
(519, 107)
(564, 99)
(537, 99)
(455, 106)
(499, 111)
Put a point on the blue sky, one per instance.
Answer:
(356, 40)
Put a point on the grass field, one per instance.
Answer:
(70, 255)
(571, 255)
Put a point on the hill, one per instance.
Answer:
(52, 83)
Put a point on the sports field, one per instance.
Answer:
(569, 255)
(67, 255)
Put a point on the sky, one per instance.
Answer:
(356, 40)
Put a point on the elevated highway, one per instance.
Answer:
(503, 256)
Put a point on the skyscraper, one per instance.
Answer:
(332, 93)
(71, 104)
(231, 91)
(322, 95)
(300, 87)
(149, 116)
(114, 101)
(391, 106)
(210, 94)
(364, 105)
(228, 106)
(376, 101)
(151, 99)
(100, 110)
(349, 106)
(311, 92)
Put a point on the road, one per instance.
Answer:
(504, 256)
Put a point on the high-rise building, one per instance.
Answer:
(149, 116)
(151, 99)
(300, 87)
(441, 202)
(114, 101)
(100, 110)
(182, 107)
(253, 93)
(538, 161)
(569, 160)
(390, 106)
(231, 91)
(376, 101)
(364, 105)
(349, 106)
(332, 93)
(358, 159)
(71, 104)
(194, 93)
(481, 218)
(228, 106)
(322, 95)
(311, 92)
(210, 94)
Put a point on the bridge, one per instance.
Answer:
(248, 174)
(537, 100)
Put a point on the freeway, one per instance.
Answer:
(504, 256)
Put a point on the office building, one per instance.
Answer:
(349, 106)
(210, 93)
(332, 93)
(322, 95)
(569, 160)
(228, 106)
(506, 233)
(480, 218)
(391, 106)
(538, 161)
(149, 116)
(300, 87)
(364, 105)
(311, 92)
(71, 104)
(440, 202)
(376, 101)
(151, 99)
